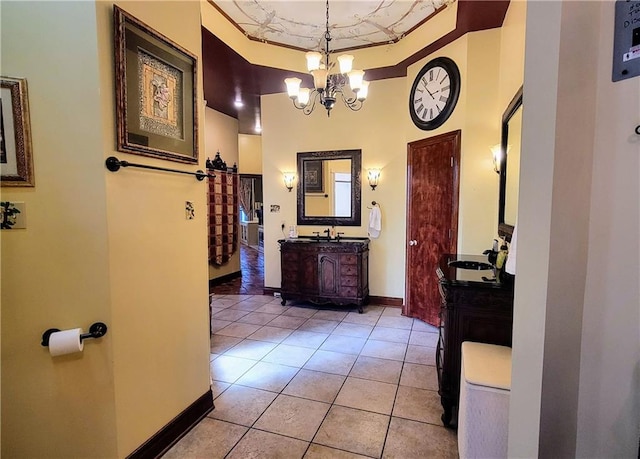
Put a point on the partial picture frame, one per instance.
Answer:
(156, 96)
(314, 176)
(16, 155)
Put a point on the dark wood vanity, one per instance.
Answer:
(325, 271)
(475, 307)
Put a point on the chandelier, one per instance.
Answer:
(328, 86)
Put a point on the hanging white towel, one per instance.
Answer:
(375, 222)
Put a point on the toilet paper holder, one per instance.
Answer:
(97, 330)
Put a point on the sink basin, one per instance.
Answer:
(464, 264)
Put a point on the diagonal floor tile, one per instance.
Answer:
(251, 349)
(229, 369)
(238, 330)
(355, 330)
(271, 334)
(257, 444)
(367, 395)
(382, 370)
(268, 376)
(418, 405)
(241, 405)
(293, 356)
(305, 339)
(324, 452)
(384, 350)
(210, 438)
(331, 362)
(343, 344)
(220, 344)
(294, 417)
(353, 430)
(419, 338)
(315, 385)
(395, 335)
(420, 354)
(415, 439)
(420, 376)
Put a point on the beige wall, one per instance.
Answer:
(382, 130)
(157, 257)
(348, 130)
(250, 154)
(221, 134)
(114, 247)
(55, 273)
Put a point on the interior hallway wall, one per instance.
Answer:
(575, 355)
(157, 258)
(55, 273)
(99, 246)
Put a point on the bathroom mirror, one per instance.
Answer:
(329, 187)
(510, 166)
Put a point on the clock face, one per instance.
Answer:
(434, 93)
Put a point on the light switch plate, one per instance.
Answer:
(13, 215)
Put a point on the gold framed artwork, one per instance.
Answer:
(156, 103)
(16, 160)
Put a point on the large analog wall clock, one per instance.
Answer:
(434, 93)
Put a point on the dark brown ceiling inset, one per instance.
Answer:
(226, 73)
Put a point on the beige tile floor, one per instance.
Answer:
(306, 382)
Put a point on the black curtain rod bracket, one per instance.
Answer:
(114, 164)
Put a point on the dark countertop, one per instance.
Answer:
(324, 240)
(471, 277)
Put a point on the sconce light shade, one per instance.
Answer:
(374, 176)
(289, 178)
(496, 153)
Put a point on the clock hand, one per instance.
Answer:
(425, 87)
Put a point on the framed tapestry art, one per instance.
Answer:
(313, 177)
(16, 162)
(156, 103)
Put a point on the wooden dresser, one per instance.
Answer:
(475, 307)
(325, 271)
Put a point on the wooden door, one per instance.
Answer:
(432, 219)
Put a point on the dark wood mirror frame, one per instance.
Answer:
(504, 229)
(356, 188)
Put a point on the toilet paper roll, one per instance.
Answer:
(65, 342)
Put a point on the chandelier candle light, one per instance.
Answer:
(328, 86)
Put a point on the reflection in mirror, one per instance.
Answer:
(510, 166)
(329, 188)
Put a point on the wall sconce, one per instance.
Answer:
(496, 152)
(374, 176)
(289, 178)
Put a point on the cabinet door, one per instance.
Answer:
(308, 273)
(328, 267)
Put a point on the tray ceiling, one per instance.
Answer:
(353, 24)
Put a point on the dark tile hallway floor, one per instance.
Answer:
(252, 280)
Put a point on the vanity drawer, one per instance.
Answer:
(348, 270)
(348, 259)
(348, 292)
(349, 281)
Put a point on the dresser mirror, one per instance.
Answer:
(510, 166)
(329, 188)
